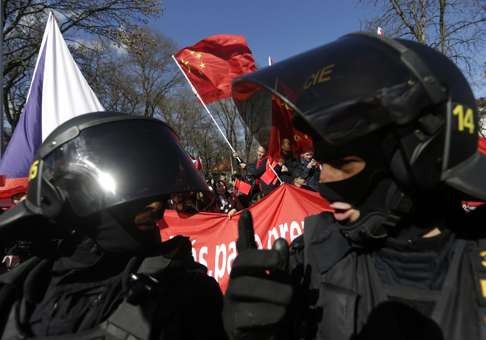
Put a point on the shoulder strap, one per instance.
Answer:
(129, 321)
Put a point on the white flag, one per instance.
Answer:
(57, 93)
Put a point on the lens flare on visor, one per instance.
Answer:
(142, 159)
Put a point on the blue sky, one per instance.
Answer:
(278, 29)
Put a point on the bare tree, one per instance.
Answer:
(24, 22)
(150, 65)
(482, 116)
(457, 28)
(239, 133)
(103, 67)
(227, 117)
(135, 76)
(196, 130)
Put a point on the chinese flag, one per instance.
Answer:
(214, 62)
(269, 176)
(242, 187)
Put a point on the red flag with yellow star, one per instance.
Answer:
(214, 62)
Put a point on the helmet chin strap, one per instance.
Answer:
(388, 210)
(381, 214)
(382, 210)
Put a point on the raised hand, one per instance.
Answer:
(259, 290)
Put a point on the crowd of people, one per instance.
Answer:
(301, 170)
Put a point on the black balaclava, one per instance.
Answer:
(386, 206)
(353, 190)
(114, 230)
(356, 189)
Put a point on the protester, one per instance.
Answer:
(288, 165)
(224, 202)
(99, 183)
(257, 171)
(309, 170)
(260, 155)
(398, 258)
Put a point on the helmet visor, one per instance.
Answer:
(340, 96)
(111, 164)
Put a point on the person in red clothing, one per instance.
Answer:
(256, 171)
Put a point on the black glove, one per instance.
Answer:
(259, 289)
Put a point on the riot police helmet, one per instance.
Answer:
(103, 160)
(365, 87)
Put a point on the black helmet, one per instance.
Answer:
(361, 83)
(102, 160)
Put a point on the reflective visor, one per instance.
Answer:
(340, 95)
(110, 164)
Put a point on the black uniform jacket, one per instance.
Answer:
(425, 289)
(75, 296)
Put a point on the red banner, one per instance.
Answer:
(213, 235)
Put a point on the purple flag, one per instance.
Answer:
(28, 134)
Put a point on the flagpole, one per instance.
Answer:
(275, 172)
(205, 107)
(231, 163)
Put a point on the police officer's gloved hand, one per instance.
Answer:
(259, 289)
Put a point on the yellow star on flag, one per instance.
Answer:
(186, 64)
